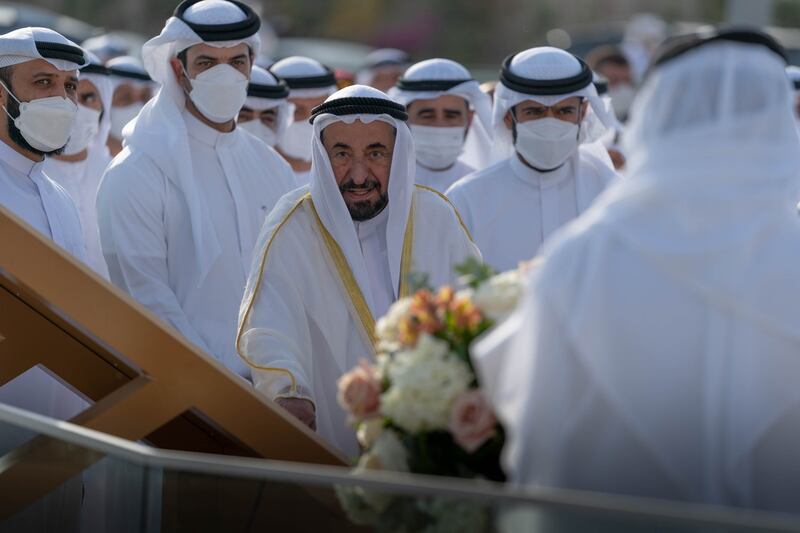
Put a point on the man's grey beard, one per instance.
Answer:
(364, 210)
(361, 211)
(12, 106)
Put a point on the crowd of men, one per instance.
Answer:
(271, 217)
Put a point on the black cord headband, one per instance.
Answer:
(122, 73)
(545, 87)
(222, 32)
(428, 85)
(65, 52)
(272, 92)
(357, 105)
(677, 46)
(308, 82)
(91, 68)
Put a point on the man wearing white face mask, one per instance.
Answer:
(547, 120)
(181, 206)
(39, 119)
(266, 112)
(80, 167)
(133, 88)
(443, 102)
(310, 83)
(38, 86)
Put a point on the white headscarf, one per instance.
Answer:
(547, 63)
(331, 206)
(296, 69)
(19, 46)
(713, 157)
(477, 147)
(380, 58)
(122, 65)
(105, 88)
(106, 47)
(160, 130)
(282, 106)
(793, 73)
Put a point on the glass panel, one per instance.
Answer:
(139, 489)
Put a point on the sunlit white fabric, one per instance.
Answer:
(656, 348)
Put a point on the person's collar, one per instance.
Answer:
(542, 179)
(205, 133)
(19, 162)
(365, 228)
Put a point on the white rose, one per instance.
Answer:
(425, 382)
(499, 295)
(387, 328)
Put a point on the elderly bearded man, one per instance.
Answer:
(334, 255)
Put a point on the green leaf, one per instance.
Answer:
(418, 281)
(473, 273)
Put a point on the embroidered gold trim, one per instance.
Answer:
(252, 300)
(406, 259)
(455, 210)
(345, 274)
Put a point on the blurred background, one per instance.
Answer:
(479, 34)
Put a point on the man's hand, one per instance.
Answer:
(301, 409)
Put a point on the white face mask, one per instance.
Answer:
(87, 124)
(622, 96)
(437, 148)
(260, 130)
(219, 93)
(546, 143)
(120, 116)
(45, 123)
(296, 140)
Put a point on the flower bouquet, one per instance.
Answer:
(419, 408)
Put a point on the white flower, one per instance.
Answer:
(387, 328)
(369, 431)
(499, 295)
(425, 381)
(390, 452)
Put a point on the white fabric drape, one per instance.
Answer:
(656, 350)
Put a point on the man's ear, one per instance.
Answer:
(177, 69)
(508, 120)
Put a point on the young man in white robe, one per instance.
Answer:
(38, 91)
(81, 165)
(335, 255)
(656, 353)
(266, 113)
(449, 117)
(547, 118)
(181, 206)
(310, 83)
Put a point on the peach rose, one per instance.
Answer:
(472, 420)
(360, 391)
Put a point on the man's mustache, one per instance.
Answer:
(350, 185)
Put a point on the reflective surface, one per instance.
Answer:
(122, 486)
